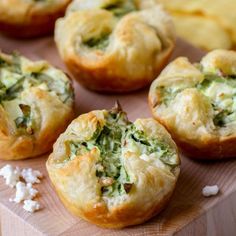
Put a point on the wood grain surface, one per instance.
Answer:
(188, 213)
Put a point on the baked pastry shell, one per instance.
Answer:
(120, 217)
(66, 179)
(36, 22)
(110, 70)
(210, 147)
(55, 117)
(99, 78)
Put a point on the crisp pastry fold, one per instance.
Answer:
(36, 105)
(197, 104)
(115, 46)
(112, 172)
(31, 18)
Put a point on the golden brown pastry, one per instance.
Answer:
(205, 23)
(197, 104)
(115, 45)
(112, 172)
(30, 18)
(36, 105)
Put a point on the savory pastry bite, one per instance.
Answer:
(115, 45)
(31, 18)
(112, 172)
(197, 104)
(36, 105)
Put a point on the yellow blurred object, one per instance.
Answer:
(209, 24)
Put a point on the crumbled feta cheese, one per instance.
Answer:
(152, 158)
(31, 176)
(31, 206)
(208, 191)
(10, 174)
(24, 192)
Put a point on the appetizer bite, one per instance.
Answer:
(31, 18)
(36, 105)
(197, 104)
(112, 172)
(115, 45)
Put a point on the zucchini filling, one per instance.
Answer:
(219, 89)
(98, 43)
(117, 137)
(13, 81)
(121, 7)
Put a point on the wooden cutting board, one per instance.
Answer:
(188, 213)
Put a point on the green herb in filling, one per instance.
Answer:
(149, 146)
(13, 81)
(223, 112)
(110, 140)
(99, 43)
(24, 123)
(121, 7)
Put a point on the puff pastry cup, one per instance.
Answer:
(36, 105)
(115, 45)
(112, 172)
(30, 18)
(197, 104)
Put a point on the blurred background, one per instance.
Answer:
(208, 24)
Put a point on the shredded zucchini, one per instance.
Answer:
(112, 140)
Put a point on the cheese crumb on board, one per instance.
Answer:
(31, 206)
(10, 174)
(31, 176)
(24, 192)
(208, 191)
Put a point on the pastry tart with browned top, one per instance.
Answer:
(30, 18)
(36, 105)
(112, 172)
(197, 104)
(115, 45)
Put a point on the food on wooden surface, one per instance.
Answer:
(112, 172)
(197, 104)
(31, 18)
(31, 206)
(36, 105)
(31, 176)
(205, 23)
(115, 45)
(209, 191)
(11, 175)
(24, 190)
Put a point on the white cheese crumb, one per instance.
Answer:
(10, 174)
(31, 206)
(208, 191)
(31, 176)
(152, 158)
(24, 192)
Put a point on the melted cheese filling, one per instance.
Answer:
(17, 75)
(220, 90)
